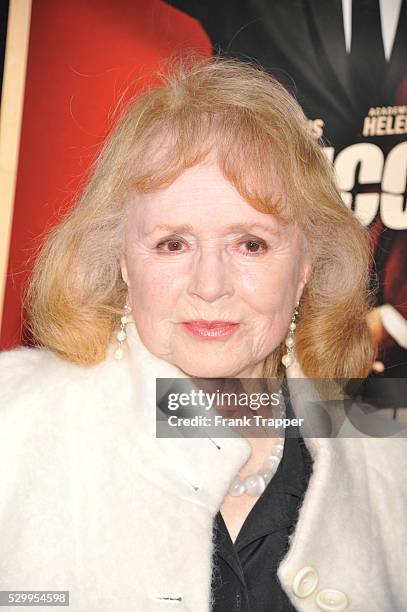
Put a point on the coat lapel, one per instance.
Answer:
(200, 469)
(327, 20)
(395, 77)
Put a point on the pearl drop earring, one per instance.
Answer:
(121, 334)
(287, 359)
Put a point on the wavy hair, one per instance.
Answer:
(264, 147)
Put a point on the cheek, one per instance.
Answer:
(154, 288)
(271, 290)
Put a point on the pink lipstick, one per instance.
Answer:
(210, 330)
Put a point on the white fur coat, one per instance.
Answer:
(92, 502)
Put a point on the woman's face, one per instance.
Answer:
(197, 252)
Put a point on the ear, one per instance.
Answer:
(305, 274)
(123, 268)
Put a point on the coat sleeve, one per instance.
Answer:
(36, 535)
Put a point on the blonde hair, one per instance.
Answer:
(266, 150)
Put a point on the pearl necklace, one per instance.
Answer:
(255, 484)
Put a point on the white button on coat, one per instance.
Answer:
(305, 581)
(331, 600)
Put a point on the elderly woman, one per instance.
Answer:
(210, 242)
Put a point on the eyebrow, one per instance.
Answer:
(186, 227)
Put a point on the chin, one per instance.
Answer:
(209, 370)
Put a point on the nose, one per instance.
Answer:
(210, 279)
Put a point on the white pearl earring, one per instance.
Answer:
(287, 359)
(121, 333)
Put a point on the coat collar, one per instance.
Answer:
(199, 469)
(191, 457)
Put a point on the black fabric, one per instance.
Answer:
(367, 49)
(244, 575)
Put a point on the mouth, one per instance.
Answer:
(210, 330)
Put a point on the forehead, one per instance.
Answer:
(200, 196)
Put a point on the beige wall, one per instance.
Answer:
(10, 122)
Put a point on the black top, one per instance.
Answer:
(244, 577)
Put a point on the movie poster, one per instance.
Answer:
(346, 64)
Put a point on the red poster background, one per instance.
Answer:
(85, 59)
